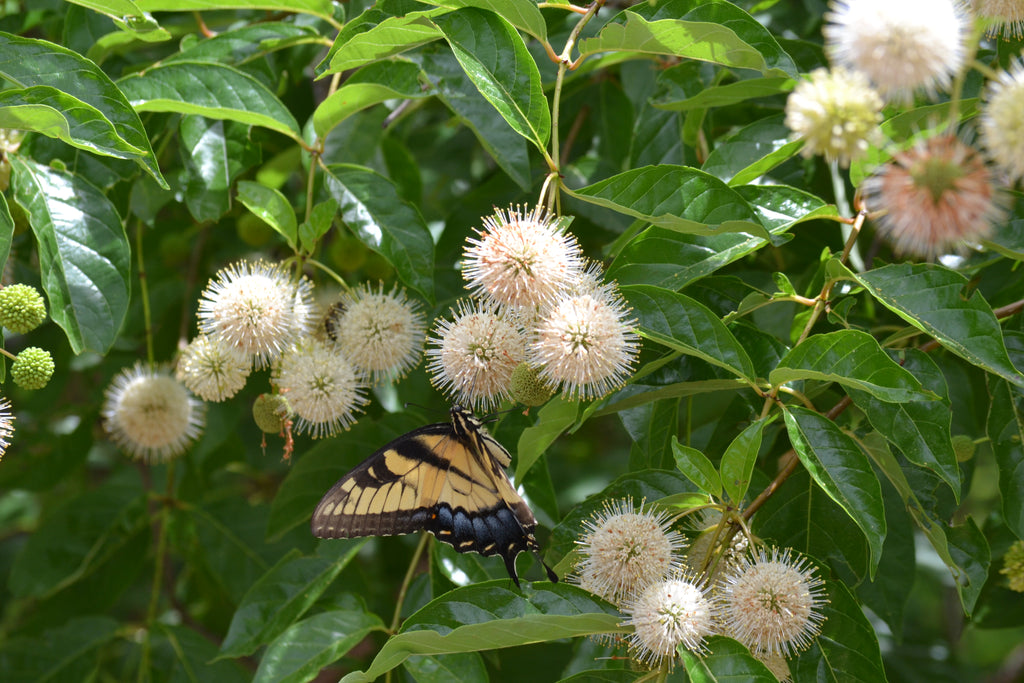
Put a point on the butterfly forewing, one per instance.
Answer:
(448, 479)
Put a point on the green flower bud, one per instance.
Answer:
(32, 368)
(21, 308)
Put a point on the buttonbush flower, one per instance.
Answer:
(6, 425)
(669, 613)
(21, 308)
(211, 369)
(151, 415)
(323, 389)
(1007, 16)
(1002, 125)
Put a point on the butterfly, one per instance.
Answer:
(448, 479)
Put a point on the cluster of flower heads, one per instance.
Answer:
(255, 315)
(769, 600)
(939, 194)
(540, 320)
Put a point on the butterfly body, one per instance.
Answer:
(448, 479)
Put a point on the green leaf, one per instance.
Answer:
(38, 63)
(739, 458)
(685, 325)
(509, 149)
(677, 98)
(283, 594)
(489, 616)
(697, 468)
(369, 86)
(679, 198)
(704, 41)
(841, 470)
(937, 301)
(320, 8)
(390, 37)
(495, 58)
(6, 234)
(523, 14)
(726, 660)
(77, 538)
(851, 358)
(209, 89)
(83, 253)
(58, 654)
(247, 43)
(298, 654)
(271, 206)
(847, 649)
(214, 154)
(920, 429)
(384, 222)
(453, 668)
(321, 219)
(184, 654)
(780, 207)
(1006, 431)
(752, 151)
(552, 420)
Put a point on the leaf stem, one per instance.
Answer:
(409, 574)
(158, 576)
(147, 316)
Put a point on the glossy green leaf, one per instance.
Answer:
(726, 660)
(283, 594)
(247, 43)
(780, 207)
(495, 58)
(739, 458)
(37, 63)
(305, 648)
(752, 151)
(683, 324)
(937, 301)
(391, 36)
(678, 99)
(489, 616)
(847, 649)
(841, 470)
(697, 468)
(369, 86)
(273, 207)
(508, 149)
(851, 358)
(1006, 432)
(49, 111)
(451, 668)
(679, 198)
(392, 227)
(320, 8)
(181, 653)
(214, 153)
(969, 549)
(83, 252)
(78, 538)
(920, 429)
(209, 89)
(704, 41)
(321, 219)
(523, 14)
(552, 420)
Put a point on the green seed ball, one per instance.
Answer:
(21, 308)
(269, 412)
(32, 368)
(527, 386)
(963, 446)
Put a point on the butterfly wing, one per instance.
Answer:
(448, 479)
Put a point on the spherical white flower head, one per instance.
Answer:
(520, 259)
(933, 198)
(624, 549)
(585, 344)
(1007, 16)
(151, 415)
(773, 605)
(211, 369)
(475, 355)
(323, 389)
(6, 425)
(381, 333)
(836, 113)
(1002, 121)
(902, 45)
(668, 613)
(255, 308)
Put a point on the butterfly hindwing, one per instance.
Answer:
(448, 479)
